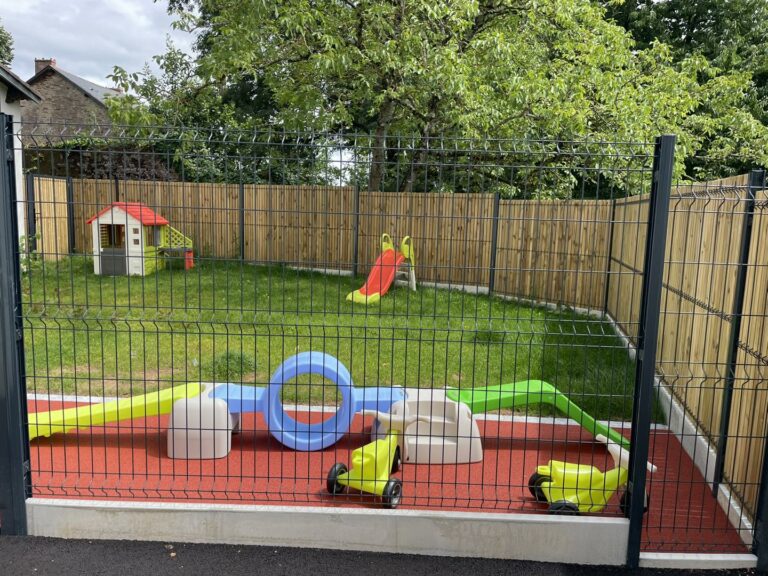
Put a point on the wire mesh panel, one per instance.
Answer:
(708, 362)
(341, 320)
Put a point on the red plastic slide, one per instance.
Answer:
(380, 279)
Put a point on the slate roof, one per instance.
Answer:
(98, 93)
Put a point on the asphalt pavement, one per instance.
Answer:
(22, 556)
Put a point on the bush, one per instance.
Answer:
(230, 365)
(28, 260)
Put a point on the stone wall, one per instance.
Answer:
(63, 103)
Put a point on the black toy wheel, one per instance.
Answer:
(564, 508)
(397, 461)
(626, 501)
(393, 493)
(534, 485)
(333, 485)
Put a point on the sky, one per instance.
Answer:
(88, 37)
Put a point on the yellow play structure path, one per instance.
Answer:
(152, 404)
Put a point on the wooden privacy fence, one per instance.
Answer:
(702, 263)
(555, 251)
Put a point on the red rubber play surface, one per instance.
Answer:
(128, 461)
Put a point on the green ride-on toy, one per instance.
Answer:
(575, 488)
(372, 466)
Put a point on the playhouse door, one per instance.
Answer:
(113, 256)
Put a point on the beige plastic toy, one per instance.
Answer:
(433, 428)
(201, 427)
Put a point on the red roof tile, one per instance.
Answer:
(138, 210)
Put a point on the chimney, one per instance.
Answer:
(41, 63)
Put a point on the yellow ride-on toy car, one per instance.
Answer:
(372, 466)
(574, 488)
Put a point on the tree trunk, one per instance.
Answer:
(419, 158)
(378, 157)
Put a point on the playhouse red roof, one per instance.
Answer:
(138, 210)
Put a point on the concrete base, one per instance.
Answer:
(512, 536)
(683, 561)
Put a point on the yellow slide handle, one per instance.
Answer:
(406, 249)
(386, 242)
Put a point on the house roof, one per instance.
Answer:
(141, 212)
(17, 88)
(98, 93)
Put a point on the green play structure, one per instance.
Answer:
(526, 393)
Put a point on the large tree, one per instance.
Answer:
(505, 68)
(6, 46)
(732, 35)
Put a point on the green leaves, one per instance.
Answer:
(6, 46)
(726, 43)
(550, 69)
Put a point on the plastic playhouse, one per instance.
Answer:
(129, 238)
(386, 268)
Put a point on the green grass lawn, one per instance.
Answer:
(223, 321)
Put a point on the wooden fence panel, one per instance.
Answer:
(451, 233)
(554, 251)
(749, 412)
(51, 216)
(307, 227)
(699, 283)
(630, 222)
(89, 197)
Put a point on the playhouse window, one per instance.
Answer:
(112, 235)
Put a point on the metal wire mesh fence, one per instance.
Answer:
(710, 360)
(349, 321)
